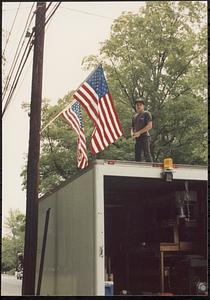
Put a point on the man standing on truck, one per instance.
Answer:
(141, 124)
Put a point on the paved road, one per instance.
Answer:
(10, 285)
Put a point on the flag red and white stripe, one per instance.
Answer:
(72, 115)
(96, 99)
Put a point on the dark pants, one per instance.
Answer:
(143, 144)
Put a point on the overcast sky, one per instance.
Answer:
(74, 32)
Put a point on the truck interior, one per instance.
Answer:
(155, 236)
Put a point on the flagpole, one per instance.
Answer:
(69, 104)
(48, 124)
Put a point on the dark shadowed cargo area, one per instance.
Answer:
(155, 236)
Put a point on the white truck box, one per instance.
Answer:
(95, 223)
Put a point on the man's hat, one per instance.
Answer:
(140, 100)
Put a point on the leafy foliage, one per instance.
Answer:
(13, 243)
(159, 53)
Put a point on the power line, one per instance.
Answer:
(20, 69)
(31, 34)
(14, 85)
(10, 9)
(24, 77)
(87, 13)
(16, 53)
(52, 13)
(16, 75)
(9, 76)
(27, 70)
(7, 41)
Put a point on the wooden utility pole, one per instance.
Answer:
(29, 267)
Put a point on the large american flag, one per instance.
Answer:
(94, 96)
(72, 115)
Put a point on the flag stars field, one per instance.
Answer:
(72, 115)
(96, 99)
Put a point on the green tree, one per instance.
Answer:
(13, 242)
(159, 53)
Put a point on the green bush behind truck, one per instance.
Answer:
(122, 225)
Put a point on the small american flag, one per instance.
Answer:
(96, 99)
(72, 115)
